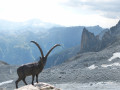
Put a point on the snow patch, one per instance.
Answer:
(109, 65)
(92, 67)
(115, 55)
(6, 82)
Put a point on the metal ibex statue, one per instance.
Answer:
(33, 68)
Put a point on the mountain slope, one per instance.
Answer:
(61, 57)
(102, 66)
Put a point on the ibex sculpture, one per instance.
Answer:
(33, 68)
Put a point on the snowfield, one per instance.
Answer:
(109, 65)
(115, 55)
(92, 67)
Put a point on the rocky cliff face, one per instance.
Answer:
(90, 42)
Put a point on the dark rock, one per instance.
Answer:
(92, 43)
(89, 42)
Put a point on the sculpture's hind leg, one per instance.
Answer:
(19, 79)
(24, 81)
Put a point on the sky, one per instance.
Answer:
(105, 13)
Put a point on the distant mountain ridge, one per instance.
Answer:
(33, 23)
(3, 63)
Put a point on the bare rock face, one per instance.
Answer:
(89, 42)
(92, 43)
(38, 86)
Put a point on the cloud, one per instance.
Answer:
(62, 12)
(107, 8)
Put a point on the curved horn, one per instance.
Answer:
(38, 47)
(51, 49)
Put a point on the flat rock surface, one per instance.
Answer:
(38, 86)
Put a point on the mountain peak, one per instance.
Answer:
(116, 29)
(84, 29)
(88, 41)
(3, 63)
(118, 24)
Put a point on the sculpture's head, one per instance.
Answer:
(43, 58)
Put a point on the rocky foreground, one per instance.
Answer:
(38, 86)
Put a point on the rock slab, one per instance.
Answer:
(38, 86)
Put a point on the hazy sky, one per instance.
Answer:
(105, 13)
